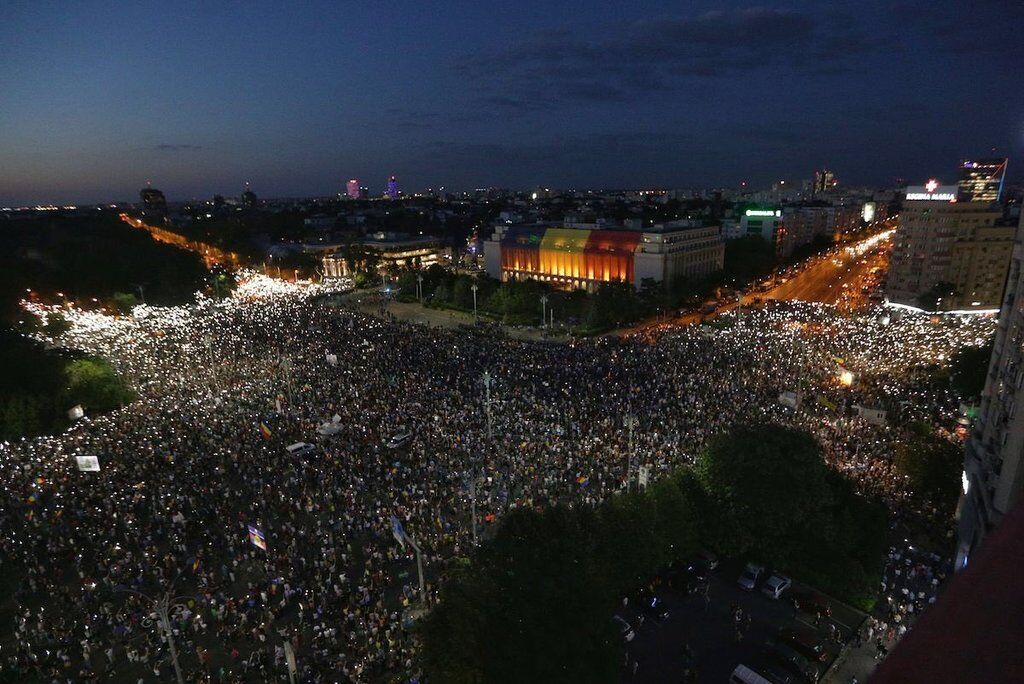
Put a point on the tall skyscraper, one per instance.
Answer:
(392, 190)
(154, 204)
(993, 479)
(352, 188)
(824, 180)
(948, 255)
(981, 180)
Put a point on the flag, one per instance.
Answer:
(257, 538)
(582, 481)
(195, 565)
(32, 498)
(398, 531)
(265, 431)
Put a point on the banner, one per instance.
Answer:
(90, 464)
(827, 403)
(876, 416)
(76, 412)
(788, 399)
(257, 538)
(398, 531)
(332, 359)
(644, 476)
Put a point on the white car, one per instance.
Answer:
(775, 585)
(624, 629)
(751, 573)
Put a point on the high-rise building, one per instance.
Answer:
(392, 191)
(948, 255)
(981, 180)
(154, 204)
(249, 199)
(824, 180)
(993, 479)
(352, 188)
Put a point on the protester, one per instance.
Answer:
(200, 458)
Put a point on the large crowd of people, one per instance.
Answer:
(198, 462)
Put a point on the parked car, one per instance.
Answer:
(795, 663)
(810, 646)
(625, 630)
(775, 585)
(812, 604)
(400, 440)
(751, 574)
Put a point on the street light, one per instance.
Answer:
(162, 607)
(419, 287)
(474, 288)
(544, 310)
(630, 424)
(487, 402)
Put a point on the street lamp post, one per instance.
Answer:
(474, 288)
(162, 607)
(419, 288)
(630, 424)
(544, 310)
(487, 403)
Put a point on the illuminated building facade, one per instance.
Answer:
(572, 258)
(352, 189)
(392, 191)
(394, 250)
(981, 180)
(954, 249)
(993, 478)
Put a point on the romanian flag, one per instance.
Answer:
(582, 481)
(265, 431)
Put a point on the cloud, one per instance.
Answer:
(171, 147)
(555, 67)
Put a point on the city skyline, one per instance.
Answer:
(653, 95)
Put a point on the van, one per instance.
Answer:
(300, 449)
(744, 675)
(399, 440)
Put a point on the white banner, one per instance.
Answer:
(788, 399)
(76, 412)
(88, 463)
(644, 476)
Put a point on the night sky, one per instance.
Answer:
(200, 97)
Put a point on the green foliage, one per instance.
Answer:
(969, 369)
(56, 325)
(38, 386)
(221, 282)
(768, 484)
(88, 257)
(932, 466)
(123, 302)
(94, 384)
(771, 497)
(536, 602)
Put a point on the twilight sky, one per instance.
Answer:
(199, 97)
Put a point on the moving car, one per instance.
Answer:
(775, 585)
(625, 630)
(751, 574)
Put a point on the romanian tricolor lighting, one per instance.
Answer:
(583, 255)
